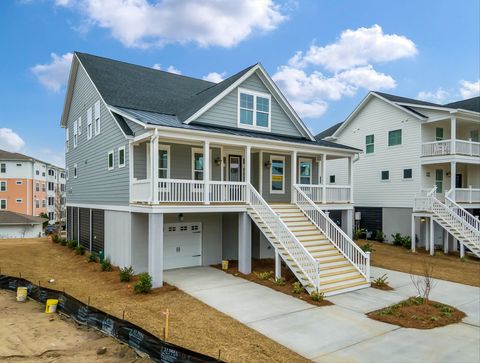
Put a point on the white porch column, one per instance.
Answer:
(453, 133)
(431, 238)
(347, 222)
(445, 241)
(154, 168)
(324, 178)
(244, 243)
(462, 250)
(248, 164)
(453, 176)
(206, 172)
(293, 174)
(350, 177)
(155, 248)
(412, 236)
(278, 265)
(130, 167)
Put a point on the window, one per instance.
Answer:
(80, 125)
(197, 164)
(43, 187)
(89, 124)
(474, 136)
(3, 186)
(37, 186)
(369, 144)
(3, 168)
(51, 172)
(62, 175)
(66, 139)
(19, 182)
(332, 179)
(439, 134)
(51, 201)
(51, 186)
(37, 203)
(19, 164)
(37, 172)
(3, 204)
(75, 171)
(62, 187)
(75, 133)
(164, 162)
(97, 118)
(394, 137)
(254, 110)
(43, 173)
(439, 180)
(121, 157)
(305, 171)
(385, 175)
(19, 200)
(44, 203)
(277, 174)
(51, 216)
(407, 173)
(110, 160)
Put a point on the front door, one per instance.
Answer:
(458, 181)
(235, 168)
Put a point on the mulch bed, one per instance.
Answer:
(418, 314)
(384, 287)
(268, 265)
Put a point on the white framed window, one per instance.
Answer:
(19, 200)
(395, 137)
(277, 174)
(305, 171)
(19, 182)
(75, 133)
(89, 124)
(197, 164)
(254, 110)
(44, 203)
(3, 186)
(43, 187)
(97, 118)
(121, 157)
(164, 161)
(37, 186)
(332, 179)
(407, 174)
(37, 203)
(66, 139)
(80, 125)
(3, 168)
(74, 171)
(385, 175)
(3, 204)
(110, 160)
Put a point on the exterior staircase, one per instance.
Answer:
(452, 217)
(314, 258)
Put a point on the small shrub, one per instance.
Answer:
(264, 275)
(297, 288)
(279, 281)
(379, 236)
(367, 247)
(80, 250)
(387, 311)
(72, 244)
(126, 274)
(106, 265)
(92, 257)
(399, 240)
(55, 238)
(63, 241)
(381, 281)
(359, 232)
(144, 284)
(463, 259)
(317, 296)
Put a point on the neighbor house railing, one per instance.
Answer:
(444, 147)
(333, 193)
(466, 195)
(227, 192)
(471, 148)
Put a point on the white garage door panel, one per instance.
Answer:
(182, 245)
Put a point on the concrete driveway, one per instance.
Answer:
(342, 332)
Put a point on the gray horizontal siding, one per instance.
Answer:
(225, 112)
(95, 184)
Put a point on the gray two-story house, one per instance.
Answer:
(166, 171)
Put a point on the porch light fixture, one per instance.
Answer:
(218, 161)
(448, 173)
(180, 217)
(423, 219)
(268, 164)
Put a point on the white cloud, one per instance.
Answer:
(469, 89)
(143, 23)
(54, 75)
(170, 69)
(357, 48)
(437, 96)
(366, 77)
(51, 156)
(214, 77)
(10, 141)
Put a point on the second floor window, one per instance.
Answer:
(3, 186)
(394, 137)
(385, 175)
(254, 110)
(3, 168)
(89, 124)
(198, 165)
(37, 186)
(305, 171)
(121, 157)
(474, 135)
(66, 139)
(97, 118)
(439, 134)
(407, 173)
(163, 163)
(110, 160)
(3, 204)
(369, 144)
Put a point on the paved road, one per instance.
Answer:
(341, 332)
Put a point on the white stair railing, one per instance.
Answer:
(303, 260)
(461, 212)
(359, 258)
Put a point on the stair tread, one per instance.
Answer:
(345, 286)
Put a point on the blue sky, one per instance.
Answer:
(420, 49)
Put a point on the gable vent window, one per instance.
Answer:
(254, 110)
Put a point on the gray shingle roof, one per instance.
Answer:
(8, 155)
(8, 217)
(471, 104)
(400, 99)
(328, 132)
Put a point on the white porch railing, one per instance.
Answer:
(444, 147)
(333, 193)
(141, 190)
(228, 192)
(465, 195)
(353, 253)
(450, 201)
(180, 190)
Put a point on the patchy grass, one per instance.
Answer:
(446, 267)
(418, 313)
(262, 274)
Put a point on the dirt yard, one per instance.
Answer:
(193, 324)
(446, 267)
(29, 335)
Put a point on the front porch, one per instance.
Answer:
(174, 172)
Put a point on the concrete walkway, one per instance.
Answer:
(342, 332)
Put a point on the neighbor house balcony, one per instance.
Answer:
(451, 147)
(466, 195)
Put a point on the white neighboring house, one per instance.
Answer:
(17, 225)
(410, 147)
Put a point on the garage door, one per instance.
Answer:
(182, 245)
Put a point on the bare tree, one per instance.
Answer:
(424, 283)
(58, 209)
